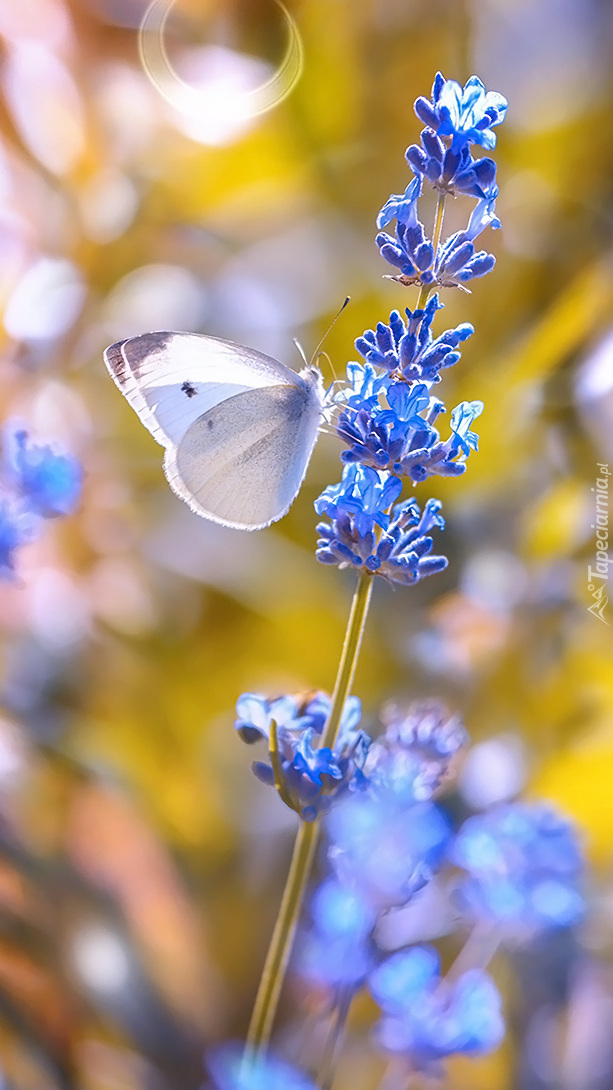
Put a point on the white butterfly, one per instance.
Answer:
(238, 426)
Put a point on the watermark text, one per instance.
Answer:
(598, 574)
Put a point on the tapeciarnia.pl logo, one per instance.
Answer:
(598, 576)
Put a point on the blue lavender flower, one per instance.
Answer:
(50, 483)
(458, 261)
(524, 867)
(364, 384)
(402, 206)
(263, 1072)
(395, 433)
(256, 712)
(307, 776)
(363, 494)
(381, 435)
(449, 170)
(336, 952)
(409, 251)
(385, 842)
(426, 1018)
(408, 349)
(415, 752)
(467, 114)
(462, 439)
(402, 551)
(453, 264)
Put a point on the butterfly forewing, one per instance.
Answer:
(171, 379)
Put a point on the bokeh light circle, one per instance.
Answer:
(192, 101)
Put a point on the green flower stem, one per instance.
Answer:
(438, 219)
(275, 966)
(425, 289)
(335, 1038)
(349, 657)
(273, 973)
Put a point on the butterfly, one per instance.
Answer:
(238, 427)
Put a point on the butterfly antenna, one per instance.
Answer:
(330, 327)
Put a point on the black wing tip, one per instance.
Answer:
(116, 361)
(125, 357)
(146, 344)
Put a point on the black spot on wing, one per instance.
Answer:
(188, 389)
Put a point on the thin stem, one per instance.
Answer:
(425, 289)
(279, 951)
(335, 1036)
(277, 959)
(275, 760)
(438, 219)
(397, 1075)
(477, 952)
(349, 656)
(275, 966)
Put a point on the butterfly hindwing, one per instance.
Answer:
(242, 462)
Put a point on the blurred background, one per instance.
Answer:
(140, 863)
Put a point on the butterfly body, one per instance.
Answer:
(238, 427)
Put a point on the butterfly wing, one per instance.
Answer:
(242, 462)
(238, 426)
(170, 379)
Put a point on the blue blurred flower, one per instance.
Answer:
(255, 714)
(401, 552)
(385, 844)
(427, 1018)
(467, 114)
(307, 776)
(263, 1072)
(18, 527)
(50, 483)
(524, 865)
(36, 483)
(416, 750)
(337, 950)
